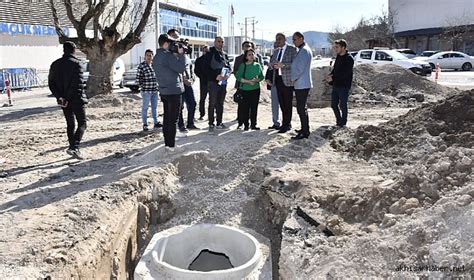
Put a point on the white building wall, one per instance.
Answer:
(421, 14)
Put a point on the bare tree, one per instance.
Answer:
(379, 29)
(113, 33)
(458, 29)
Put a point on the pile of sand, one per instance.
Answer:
(390, 84)
(429, 150)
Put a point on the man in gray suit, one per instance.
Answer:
(302, 82)
(281, 62)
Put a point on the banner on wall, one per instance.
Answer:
(15, 29)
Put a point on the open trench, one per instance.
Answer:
(255, 187)
(239, 187)
(157, 210)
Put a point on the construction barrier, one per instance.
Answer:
(19, 78)
(438, 70)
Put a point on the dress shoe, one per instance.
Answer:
(300, 136)
(255, 128)
(283, 130)
(277, 127)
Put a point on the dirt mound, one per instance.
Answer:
(429, 151)
(112, 100)
(391, 84)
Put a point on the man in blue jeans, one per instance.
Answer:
(341, 80)
(149, 89)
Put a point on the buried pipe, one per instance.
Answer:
(201, 252)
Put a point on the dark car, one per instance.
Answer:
(130, 80)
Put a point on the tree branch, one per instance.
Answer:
(57, 24)
(70, 14)
(119, 15)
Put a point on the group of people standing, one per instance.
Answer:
(170, 73)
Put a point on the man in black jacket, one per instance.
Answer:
(199, 70)
(341, 80)
(66, 83)
(217, 62)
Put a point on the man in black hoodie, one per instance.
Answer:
(200, 72)
(216, 60)
(66, 83)
(341, 80)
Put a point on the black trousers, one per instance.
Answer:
(171, 106)
(302, 108)
(72, 113)
(248, 107)
(285, 96)
(216, 102)
(203, 90)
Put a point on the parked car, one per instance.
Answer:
(353, 54)
(232, 60)
(382, 57)
(130, 80)
(266, 60)
(118, 70)
(449, 60)
(428, 53)
(407, 52)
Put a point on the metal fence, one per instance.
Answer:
(22, 78)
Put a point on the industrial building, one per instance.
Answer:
(434, 24)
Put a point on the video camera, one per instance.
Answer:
(180, 44)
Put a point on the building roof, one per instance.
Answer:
(428, 31)
(34, 12)
(187, 11)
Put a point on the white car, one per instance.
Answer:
(449, 60)
(382, 57)
(118, 71)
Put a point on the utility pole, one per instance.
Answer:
(253, 29)
(246, 28)
(157, 24)
(252, 21)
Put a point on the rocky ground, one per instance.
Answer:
(393, 190)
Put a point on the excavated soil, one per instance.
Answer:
(391, 191)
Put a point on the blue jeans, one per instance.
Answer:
(190, 100)
(275, 107)
(147, 97)
(339, 100)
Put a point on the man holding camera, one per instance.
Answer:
(66, 83)
(169, 65)
(188, 95)
(218, 71)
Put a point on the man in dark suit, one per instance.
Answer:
(66, 83)
(281, 62)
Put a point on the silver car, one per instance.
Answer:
(450, 60)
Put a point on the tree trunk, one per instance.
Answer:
(100, 72)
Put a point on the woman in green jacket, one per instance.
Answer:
(249, 75)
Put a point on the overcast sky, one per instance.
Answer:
(288, 16)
